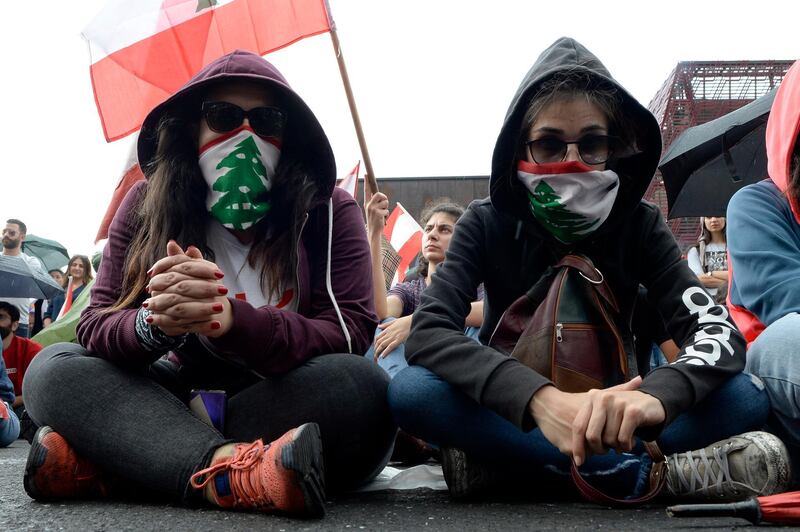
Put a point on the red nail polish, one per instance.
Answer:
(149, 319)
(147, 289)
(217, 307)
(222, 290)
(219, 275)
(215, 325)
(145, 304)
(150, 272)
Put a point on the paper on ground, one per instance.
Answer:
(421, 476)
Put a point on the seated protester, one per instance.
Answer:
(238, 257)
(764, 250)
(9, 424)
(573, 159)
(395, 308)
(18, 352)
(709, 258)
(79, 274)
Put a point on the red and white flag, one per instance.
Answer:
(405, 235)
(67, 301)
(143, 51)
(349, 181)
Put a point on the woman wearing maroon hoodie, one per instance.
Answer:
(236, 266)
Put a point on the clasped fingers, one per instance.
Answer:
(191, 287)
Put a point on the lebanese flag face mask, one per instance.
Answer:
(239, 168)
(569, 199)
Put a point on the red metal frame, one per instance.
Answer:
(699, 91)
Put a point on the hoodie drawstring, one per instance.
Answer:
(328, 277)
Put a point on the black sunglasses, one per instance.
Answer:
(223, 117)
(593, 149)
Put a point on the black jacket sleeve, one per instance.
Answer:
(712, 349)
(437, 340)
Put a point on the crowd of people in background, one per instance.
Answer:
(270, 294)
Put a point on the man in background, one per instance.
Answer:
(13, 237)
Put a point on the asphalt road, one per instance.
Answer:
(393, 510)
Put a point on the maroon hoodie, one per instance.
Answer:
(333, 318)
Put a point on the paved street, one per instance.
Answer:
(395, 510)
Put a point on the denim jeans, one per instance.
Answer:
(395, 360)
(9, 428)
(775, 358)
(136, 424)
(430, 408)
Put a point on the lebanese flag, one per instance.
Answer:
(143, 51)
(349, 181)
(405, 235)
(67, 301)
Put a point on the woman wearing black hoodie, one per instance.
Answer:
(574, 134)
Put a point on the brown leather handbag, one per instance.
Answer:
(565, 328)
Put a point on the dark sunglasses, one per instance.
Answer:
(223, 117)
(593, 149)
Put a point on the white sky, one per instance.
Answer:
(432, 79)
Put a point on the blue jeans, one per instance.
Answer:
(775, 358)
(428, 407)
(395, 360)
(22, 330)
(9, 428)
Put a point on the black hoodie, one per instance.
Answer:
(499, 243)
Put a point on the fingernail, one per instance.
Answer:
(215, 325)
(222, 290)
(150, 272)
(217, 307)
(147, 289)
(219, 275)
(145, 304)
(149, 319)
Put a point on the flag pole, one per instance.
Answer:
(369, 178)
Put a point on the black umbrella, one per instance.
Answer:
(708, 163)
(53, 255)
(18, 279)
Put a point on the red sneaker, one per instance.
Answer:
(54, 471)
(3, 410)
(285, 476)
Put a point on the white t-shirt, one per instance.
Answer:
(24, 303)
(716, 260)
(242, 280)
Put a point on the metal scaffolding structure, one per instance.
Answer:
(699, 91)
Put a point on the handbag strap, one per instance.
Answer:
(591, 274)
(658, 477)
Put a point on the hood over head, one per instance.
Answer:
(783, 128)
(635, 172)
(303, 134)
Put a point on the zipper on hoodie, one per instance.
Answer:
(297, 265)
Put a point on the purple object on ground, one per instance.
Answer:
(209, 405)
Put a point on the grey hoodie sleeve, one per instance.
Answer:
(712, 349)
(437, 341)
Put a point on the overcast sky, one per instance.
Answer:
(432, 79)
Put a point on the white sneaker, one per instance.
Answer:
(747, 465)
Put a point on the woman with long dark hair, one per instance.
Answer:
(237, 266)
(78, 277)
